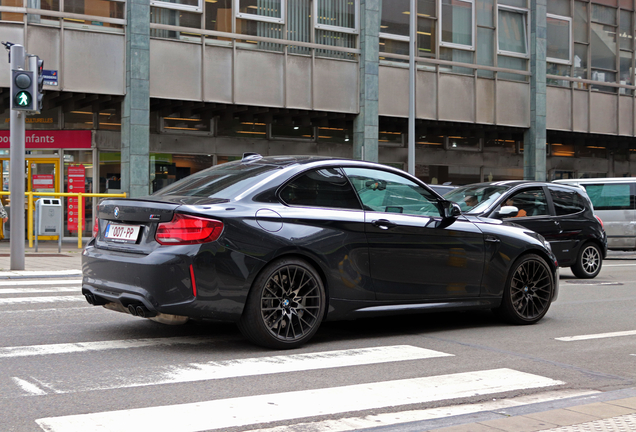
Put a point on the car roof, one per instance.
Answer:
(514, 183)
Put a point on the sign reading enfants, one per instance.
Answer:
(66, 139)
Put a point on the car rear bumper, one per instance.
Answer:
(162, 282)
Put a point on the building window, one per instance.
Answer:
(512, 31)
(457, 29)
(184, 5)
(604, 46)
(559, 39)
(261, 10)
(187, 125)
(337, 15)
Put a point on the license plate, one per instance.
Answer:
(121, 232)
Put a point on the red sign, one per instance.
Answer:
(43, 182)
(76, 184)
(58, 139)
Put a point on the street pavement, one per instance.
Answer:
(608, 411)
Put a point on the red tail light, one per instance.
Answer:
(600, 221)
(96, 227)
(185, 229)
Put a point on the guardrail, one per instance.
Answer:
(80, 208)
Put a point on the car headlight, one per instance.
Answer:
(545, 243)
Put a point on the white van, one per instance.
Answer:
(614, 202)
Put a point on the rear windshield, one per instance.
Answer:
(220, 181)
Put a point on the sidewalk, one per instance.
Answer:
(47, 258)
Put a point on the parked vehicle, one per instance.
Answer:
(614, 201)
(562, 214)
(279, 244)
(442, 189)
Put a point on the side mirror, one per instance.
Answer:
(507, 212)
(451, 210)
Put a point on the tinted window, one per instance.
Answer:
(221, 181)
(567, 202)
(326, 187)
(610, 196)
(530, 202)
(391, 193)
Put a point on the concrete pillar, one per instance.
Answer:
(534, 148)
(365, 125)
(135, 121)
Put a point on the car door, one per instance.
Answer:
(412, 255)
(535, 213)
(569, 209)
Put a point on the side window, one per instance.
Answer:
(566, 202)
(530, 202)
(326, 187)
(610, 196)
(391, 193)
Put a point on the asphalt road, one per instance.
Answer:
(67, 366)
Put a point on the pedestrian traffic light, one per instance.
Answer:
(38, 83)
(22, 90)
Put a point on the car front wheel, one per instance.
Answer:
(588, 263)
(285, 306)
(528, 292)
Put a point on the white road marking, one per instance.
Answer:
(81, 347)
(28, 387)
(391, 419)
(13, 282)
(243, 411)
(38, 290)
(596, 336)
(618, 265)
(38, 273)
(49, 299)
(87, 307)
(237, 367)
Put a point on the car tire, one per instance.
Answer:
(528, 291)
(588, 262)
(285, 305)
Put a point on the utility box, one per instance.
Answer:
(48, 219)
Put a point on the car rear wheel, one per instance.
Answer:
(589, 262)
(285, 306)
(528, 291)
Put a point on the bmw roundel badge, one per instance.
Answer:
(116, 212)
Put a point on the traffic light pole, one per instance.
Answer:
(16, 176)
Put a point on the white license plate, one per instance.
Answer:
(121, 232)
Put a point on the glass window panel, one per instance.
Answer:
(297, 132)
(485, 51)
(237, 128)
(11, 16)
(385, 136)
(394, 47)
(78, 120)
(327, 37)
(426, 37)
(464, 143)
(426, 8)
(627, 4)
(562, 150)
(326, 187)
(603, 46)
(176, 18)
(52, 5)
(192, 124)
(457, 22)
(558, 69)
(456, 55)
(395, 17)
(501, 145)
(430, 141)
(625, 30)
(262, 29)
(606, 2)
(299, 25)
(512, 63)
(336, 134)
(610, 196)
(566, 202)
(484, 13)
(559, 7)
(511, 31)
(516, 3)
(192, 3)
(604, 76)
(625, 71)
(218, 15)
(603, 14)
(109, 119)
(579, 62)
(593, 150)
(558, 39)
(580, 22)
(264, 8)
(339, 13)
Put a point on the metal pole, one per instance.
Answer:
(412, 51)
(16, 176)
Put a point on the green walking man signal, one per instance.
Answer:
(21, 87)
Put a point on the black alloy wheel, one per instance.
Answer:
(285, 306)
(528, 292)
(588, 263)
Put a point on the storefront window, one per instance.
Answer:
(110, 172)
(167, 168)
(78, 177)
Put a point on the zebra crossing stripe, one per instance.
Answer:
(22, 282)
(49, 299)
(244, 411)
(4, 291)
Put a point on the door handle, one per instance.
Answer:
(492, 239)
(383, 224)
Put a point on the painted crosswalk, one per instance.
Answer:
(361, 395)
